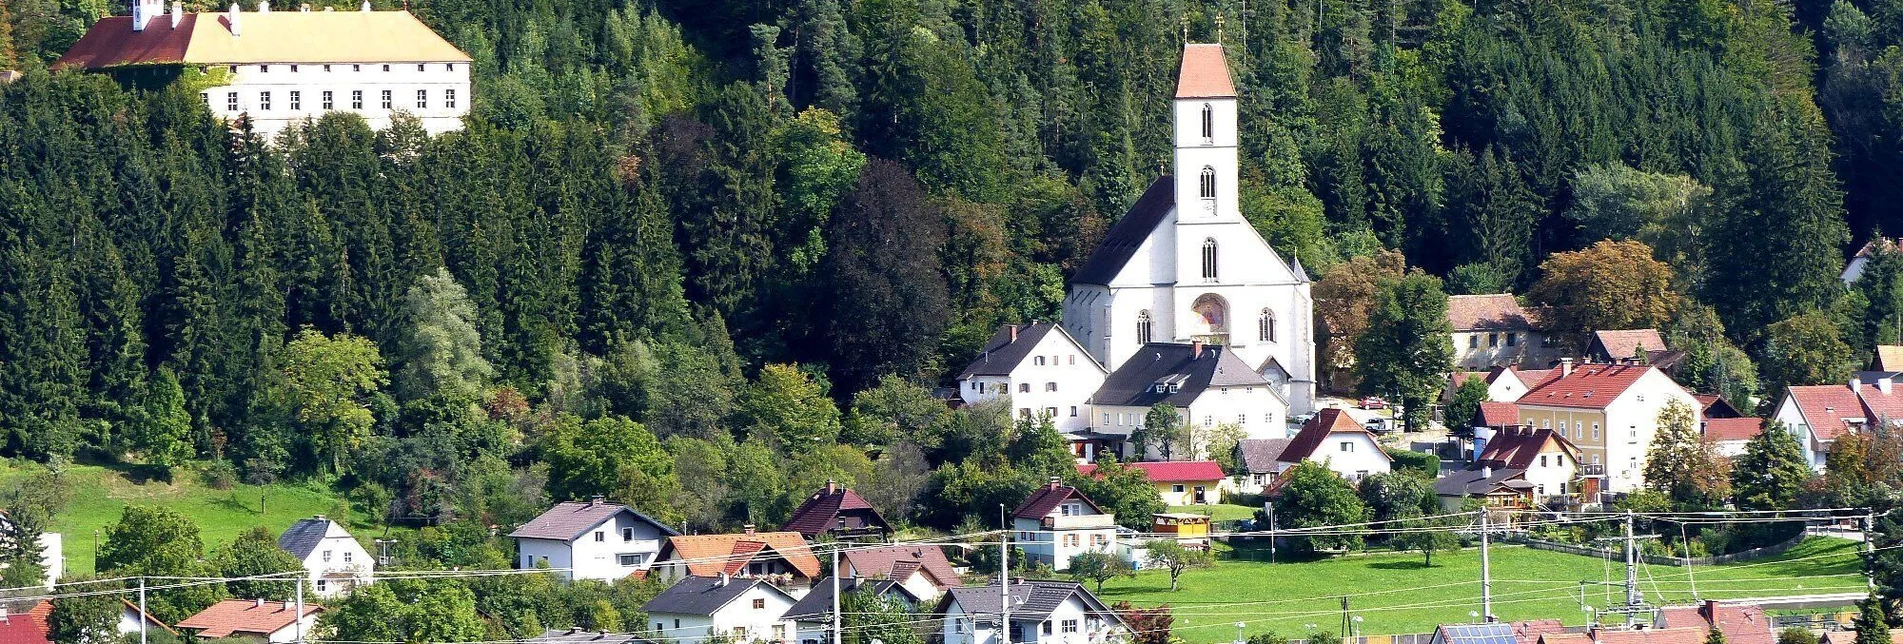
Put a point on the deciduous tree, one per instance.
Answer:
(1176, 558)
(1684, 465)
(1405, 349)
(1610, 285)
(1771, 471)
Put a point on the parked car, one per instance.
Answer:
(1374, 402)
(1378, 425)
(1301, 419)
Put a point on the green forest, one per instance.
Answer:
(705, 255)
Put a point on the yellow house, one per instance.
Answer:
(1610, 411)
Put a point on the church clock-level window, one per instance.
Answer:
(1209, 259)
(1209, 124)
(1208, 183)
(1265, 327)
(1143, 327)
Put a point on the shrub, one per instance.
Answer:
(1419, 461)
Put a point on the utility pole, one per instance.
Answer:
(1004, 578)
(1631, 564)
(1270, 509)
(1869, 547)
(298, 617)
(837, 629)
(143, 615)
(1486, 571)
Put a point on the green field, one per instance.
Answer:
(1219, 512)
(99, 494)
(1394, 594)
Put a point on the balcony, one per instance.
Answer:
(1080, 522)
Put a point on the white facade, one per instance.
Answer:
(1203, 272)
(1815, 449)
(1072, 622)
(1070, 529)
(1056, 378)
(1630, 421)
(752, 617)
(1352, 455)
(1507, 386)
(277, 95)
(338, 563)
(298, 631)
(612, 549)
(1256, 409)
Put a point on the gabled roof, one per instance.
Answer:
(1128, 234)
(1483, 482)
(568, 520)
(820, 512)
(1827, 407)
(704, 596)
(1031, 601)
(303, 537)
(1535, 377)
(1008, 346)
(1592, 386)
(1685, 635)
(1205, 74)
(1187, 369)
(1715, 406)
(1529, 631)
(1047, 497)
(1732, 429)
(1169, 471)
(817, 605)
(1625, 343)
(275, 37)
(1262, 454)
(708, 555)
(28, 627)
(1326, 423)
(892, 562)
(1889, 357)
(1498, 312)
(1518, 447)
(1499, 414)
(1882, 406)
(231, 616)
(1740, 623)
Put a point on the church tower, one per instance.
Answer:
(1205, 111)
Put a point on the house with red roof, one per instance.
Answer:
(1730, 434)
(1495, 331)
(1610, 411)
(1518, 467)
(838, 512)
(266, 621)
(1179, 482)
(1057, 522)
(923, 571)
(20, 624)
(782, 557)
(1820, 414)
(1740, 623)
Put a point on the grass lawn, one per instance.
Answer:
(1394, 594)
(99, 494)
(1219, 513)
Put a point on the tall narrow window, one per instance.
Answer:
(1209, 183)
(1265, 327)
(1209, 259)
(1209, 123)
(1143, 327)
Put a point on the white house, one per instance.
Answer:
(812, 615)
(1041, 369)
(1730, 435)
(1610, 411)
(1517, 467)
(1058, 522)
(1495, 331)
(335, 561)
(269, 621)
(52, 555)
(696, 609)
(1331, 438)
(1208, 384)
(591, 540)
(1504, 384)
(279, 67)
(922, 569)
(1820, 414)
(1184, 264)
(1054, 612)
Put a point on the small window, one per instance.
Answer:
(1209, 259)
(449, 67)
(329, 100)
(264, 69)
(1542, 460)
(1473, 342)
(206, 97)
(419, 67)
(1208, 187)
(1050, 386)
(1347, 446)
(387, 102)
(449, 98)
(1513, 339)
(1143, 324)
(264, 101)
(1265, 326)
(1024, 387)
(1177, 488)
(627, 534)
(293, 69)
(323, 585)
(1039, 361)
(231, 101)
(326, 556)
(1070, 359)
(422, 99)
(1073, 411)
(1050, 412)
(356, 68)
(1493, 340)
(234, 69)
(628, 559)
(347, 556)
(1242, 419)
(1209, 420)
(356, 99)
(386, 68)
(327, 68)
(600, 536)
(759, 604)
(1209, 121)
(297, 100)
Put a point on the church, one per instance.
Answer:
(1184, 266)
(1182, 303)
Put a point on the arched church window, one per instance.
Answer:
(1209, 183)
(1143, 327)
(1209, 123)
(1209, 259)
(1265, 327)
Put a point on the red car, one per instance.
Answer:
(1374, 402)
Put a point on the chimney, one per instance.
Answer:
(232, 17)
(1856, 386)
(1884, 384)
(595, 500)
(259, 603)
(748, 528)
(832, 486)
(1195, 349)
(1055, 483)
(365, 7)
(1486, 471)
(264, 6)
(1565, 367)
(721, 581)
(178, 12)
(1014, 331)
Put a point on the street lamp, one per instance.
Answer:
(1239, 626)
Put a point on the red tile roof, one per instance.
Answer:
(1626, 343)
(1826, 406)
(1205, 74)
(1529, 631)
(1168, 471)
(1499, 414)
(1741, 623)
(29, 627)
(1535, 377)
(111, 42)
(1047, 497)
(1688, 635)
(1487, 313)
(1327, 422)
(244, 616)
(708, 555)
(821, 511)
(1592, 386)
(1461, 377)
(1880, 405)
(1732, 429)
(887, 562)
(1517, 447)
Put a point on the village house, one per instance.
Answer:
(1041, 369)
(578, 635)
(1495, 331)
(51, 558)
(1208, 385)
(1608, 347)
(24, 624)
(1504, 384)
(1610, 411)
(1179, 482)
(1518, 467)
(257, 619)
(1729, 435)
(596, 539)
(1183, 265)
(1044, 612)
(1058, 522)
(839, 513)
(335, 561)
(1331, 438)
(698, 609)
(783, 557)
(1853, 269)
(1740, 623)
(1887, 358)
(922, 570)
(812, 615)
(1817, 415)
(278, 68)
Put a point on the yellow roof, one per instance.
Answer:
(317, 37)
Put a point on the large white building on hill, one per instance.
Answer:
(281, 66)
(1183, 265)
